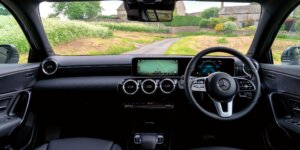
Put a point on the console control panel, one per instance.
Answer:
(149, 93)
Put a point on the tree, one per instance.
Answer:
(3, 11)
(219, 27)
(77, 10)
(229, 27)
(204, 23)
(210, 12)
(296, 13)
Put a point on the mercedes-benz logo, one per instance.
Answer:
(224, 84)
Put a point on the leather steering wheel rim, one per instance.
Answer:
(189, 93)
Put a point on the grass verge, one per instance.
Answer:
(120, 43)
(191, 45)
(184, 34)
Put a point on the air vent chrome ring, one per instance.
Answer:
(130, 87)
(49, 66)
(149, 86)
(167, 85)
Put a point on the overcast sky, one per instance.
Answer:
(110, 7)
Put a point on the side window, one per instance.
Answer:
(14, 47)
(286, 47)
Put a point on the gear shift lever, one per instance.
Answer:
(148, 141)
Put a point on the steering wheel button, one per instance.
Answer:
(250, 88)
(249, 94)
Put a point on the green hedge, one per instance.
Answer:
(57, 31)
(135, 27)
(184, 21)
(64, 31)
(11, 33)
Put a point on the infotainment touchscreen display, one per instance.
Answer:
(157, 67)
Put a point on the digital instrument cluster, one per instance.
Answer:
(207, 66)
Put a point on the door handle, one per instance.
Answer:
(29, 75)
(271, 76)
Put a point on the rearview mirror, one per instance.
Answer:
(9, 54)
(291, 56)
(150, 10)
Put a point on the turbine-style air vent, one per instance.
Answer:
(49, 67)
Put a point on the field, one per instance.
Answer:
(191, 45)
(106, 38)
(122, 41)
(84, 38)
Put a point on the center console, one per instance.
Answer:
(149, 93)
(150, 96)
(153, 84)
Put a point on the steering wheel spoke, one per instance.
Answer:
(198, 84)
(245, 85)
(224, 110)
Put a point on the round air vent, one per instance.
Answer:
(49, 67)
(167, 86)
(130, 87)
(149, 86)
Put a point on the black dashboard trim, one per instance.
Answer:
(92, 83)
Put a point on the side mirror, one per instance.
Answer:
(9, 54)
(291, 56)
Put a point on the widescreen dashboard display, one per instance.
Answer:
(157, 67)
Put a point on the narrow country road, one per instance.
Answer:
(158, 47)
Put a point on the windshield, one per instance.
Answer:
(102, 28)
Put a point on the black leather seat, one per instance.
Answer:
(79, 144)
(216, 148)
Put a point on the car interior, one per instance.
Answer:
(143, 101)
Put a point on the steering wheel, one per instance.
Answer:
(221, 87)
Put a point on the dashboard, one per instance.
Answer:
(143, 82)
(155, 81)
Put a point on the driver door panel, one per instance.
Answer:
(15, 92)
(282, 84)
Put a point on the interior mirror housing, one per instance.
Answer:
(9, 54)
(150, 10)
(291, 56)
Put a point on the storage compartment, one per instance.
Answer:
(20, 106)
(286, 109)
